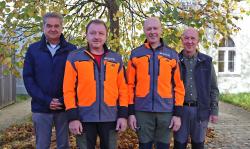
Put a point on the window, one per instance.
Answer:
(227, 61)
(221, 61)
(231, 61)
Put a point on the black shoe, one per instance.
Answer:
(160, 145)
(178, 145)
(198, 145)
(145, 145)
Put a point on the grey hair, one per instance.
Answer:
(52, 15)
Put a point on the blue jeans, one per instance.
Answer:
(43, 123)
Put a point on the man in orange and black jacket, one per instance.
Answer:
(95, 91)
(156, 90)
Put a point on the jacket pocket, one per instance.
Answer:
(165, 67)
(110, 83)
(86, 85)
(142, 75)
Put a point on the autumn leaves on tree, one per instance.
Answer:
(20, 22)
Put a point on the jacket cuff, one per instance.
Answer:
(178, 111)
(62, 101)
(48, 101)
(122, 112)
(214, 111)
(72, 114)
(131, 109)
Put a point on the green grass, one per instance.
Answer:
(21, 97)
(241, 99)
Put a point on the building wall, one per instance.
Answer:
(240, 81)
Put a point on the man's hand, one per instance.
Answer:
(75, 127)
(121, 124)
(175, 123)
(132, 122)
(55, 104)
(213, 119)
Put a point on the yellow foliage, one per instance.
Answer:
(119, 14)
(182, 14)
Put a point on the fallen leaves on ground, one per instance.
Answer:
(21, 136)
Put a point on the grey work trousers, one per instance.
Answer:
(43, 124)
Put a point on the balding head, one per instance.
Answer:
(152, 19)
(190, 41)
(191, 30)
(153, 30)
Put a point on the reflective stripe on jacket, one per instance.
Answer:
(154, 80)
(95, 94)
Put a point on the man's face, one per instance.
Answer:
(52, 29)
(152, 30)
(96, 36)
(190, 40)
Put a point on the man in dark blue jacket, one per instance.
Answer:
(201, 98)
(43, 74)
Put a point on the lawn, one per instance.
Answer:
(21, 97)
(240, 99)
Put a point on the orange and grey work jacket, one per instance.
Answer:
(93, 94)
(154, 80)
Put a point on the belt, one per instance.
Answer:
(190, 103)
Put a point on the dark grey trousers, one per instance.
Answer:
(105, 131)
(191, 126)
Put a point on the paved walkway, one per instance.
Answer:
(14, 113)
(233, 128)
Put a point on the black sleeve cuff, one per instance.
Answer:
(72, 114)
(122, 112)
(177, 111)
(131, 109)
(62, 101)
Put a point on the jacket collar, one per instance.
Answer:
(200, 56)
(105, 47)
(147, 45)
(62, 43)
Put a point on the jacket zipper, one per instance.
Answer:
(153, 94)
(100, 80)
(100, 86)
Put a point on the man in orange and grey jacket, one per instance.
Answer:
(95, 91)
(156, 90)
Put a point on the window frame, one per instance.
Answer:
(226, 61)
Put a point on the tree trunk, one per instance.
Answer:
(113, 8)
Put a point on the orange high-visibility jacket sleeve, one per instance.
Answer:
(131, 82)
(122, 88)
(179, 88)
(69, 86)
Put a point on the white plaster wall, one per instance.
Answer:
(239, 82)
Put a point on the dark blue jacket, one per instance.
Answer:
(43, 74)
(206, 85)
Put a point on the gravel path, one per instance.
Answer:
(14, 113)
(233, 128)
